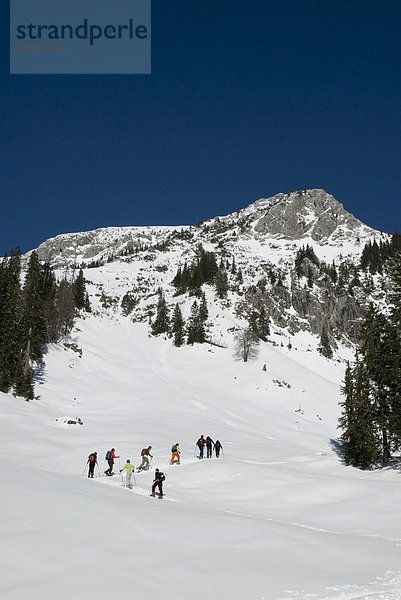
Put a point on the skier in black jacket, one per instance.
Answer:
(209, 446)
(158, 482)
(92, 461)
(217, 446)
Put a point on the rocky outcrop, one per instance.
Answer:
(312, 213)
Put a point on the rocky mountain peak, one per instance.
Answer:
(307, 213)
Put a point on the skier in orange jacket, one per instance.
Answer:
(175, 454)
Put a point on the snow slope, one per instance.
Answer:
(278, 517)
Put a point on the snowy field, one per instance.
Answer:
(279, 517)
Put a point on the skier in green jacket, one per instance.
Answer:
(145, 460)
(130, 470)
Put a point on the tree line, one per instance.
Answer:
(371, 409)
(35, 309)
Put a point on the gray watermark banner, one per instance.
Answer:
(80, 37)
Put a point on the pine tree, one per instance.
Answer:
(79, 291)
(64, 310)
(33, 317)
(24, 386)
(395, 290)
(161, 324)
(10, 319)
(203, 310)
(325, 348)
(221, 283)
(195, 329)
(259, 323)
(359, 440)
(377, 357)
(178, 327)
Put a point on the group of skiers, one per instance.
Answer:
(145, 464)
(210, 445)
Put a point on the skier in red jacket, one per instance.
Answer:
(110, 456)
(92, 461)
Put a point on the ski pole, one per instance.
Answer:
(98, 470)
(133, 475)
(84, 470)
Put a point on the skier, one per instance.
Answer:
(130, 470)
(145, 461)
(175, 453)
(158, 482)
(110, 456)
(217, 446)
(209, 446)
(92, 461)
(201, 445)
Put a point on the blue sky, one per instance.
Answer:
(245, 100)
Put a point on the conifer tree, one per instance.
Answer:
(395, 290)
(64, 310)
(178, 327)
(195, 329)
(325, 348)
(203, 310)
(221, 282)
(33, 316)
(161, 324)
(360, 444)
(24, 386)
(10, 319)
(259, 323)
(79, 291)
(375, 390)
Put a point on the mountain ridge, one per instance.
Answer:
(295, 256)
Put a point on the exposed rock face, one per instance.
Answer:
(311, 212)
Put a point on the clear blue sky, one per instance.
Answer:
(246, 99)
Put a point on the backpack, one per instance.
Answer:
(92, 457)
(174, 448)
(108, 455)
(144, 452)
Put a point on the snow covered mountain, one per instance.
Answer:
(262, 243)
(301, 216)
